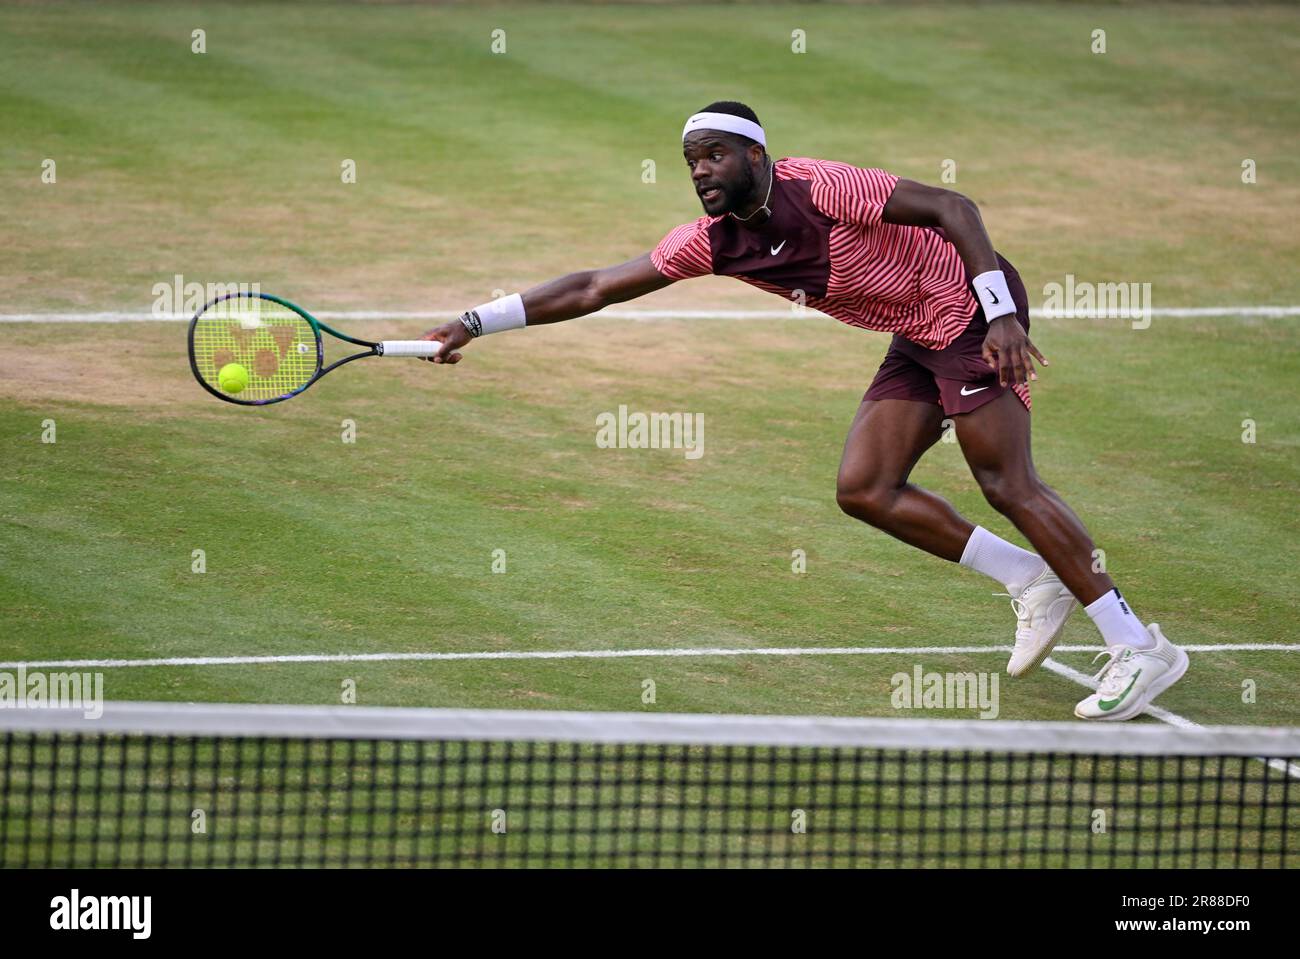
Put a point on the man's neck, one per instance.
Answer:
(750, 218)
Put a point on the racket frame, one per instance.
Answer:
(372, 349)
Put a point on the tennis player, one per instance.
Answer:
(883, 253)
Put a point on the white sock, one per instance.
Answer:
(1118, 625)
(1013, 567)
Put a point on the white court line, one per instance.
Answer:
(629, 313)
(668, 653)
(1160, 713)
(1060, 669)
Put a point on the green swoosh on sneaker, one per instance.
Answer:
(1109, 704)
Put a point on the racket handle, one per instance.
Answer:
(409, 348)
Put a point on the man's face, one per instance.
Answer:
(721, 170)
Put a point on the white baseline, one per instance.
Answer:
(1059, 669)
(667, 653)
(617, 313)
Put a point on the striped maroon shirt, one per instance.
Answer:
(826, 238)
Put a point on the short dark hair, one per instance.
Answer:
(735, 109)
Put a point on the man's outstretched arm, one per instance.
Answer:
(574, 295)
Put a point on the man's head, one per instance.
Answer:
(726, 151)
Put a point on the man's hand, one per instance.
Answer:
(452, 336)
(1008, 350)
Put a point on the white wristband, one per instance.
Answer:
(991, 288)
(503, 313)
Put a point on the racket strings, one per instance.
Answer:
(254, 350)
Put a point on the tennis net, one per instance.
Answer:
(155, 784)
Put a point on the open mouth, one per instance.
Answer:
(711, 194)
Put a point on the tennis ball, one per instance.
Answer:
(232, 378)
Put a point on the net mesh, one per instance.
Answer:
(81, 798)
(254, 349)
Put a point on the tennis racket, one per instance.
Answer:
(254, 348)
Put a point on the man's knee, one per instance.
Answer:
(871, 504)
(1010, 494)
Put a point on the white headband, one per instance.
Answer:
(727, 123)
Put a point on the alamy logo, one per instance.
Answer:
(40, 690)
(74, 912)
(922, 690)
(179, 298)
(1079, 298)
(652, 431)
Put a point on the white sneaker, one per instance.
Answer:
(1041, 610)
(1133, 678)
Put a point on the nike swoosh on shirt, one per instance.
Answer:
(966, 392)
(777, 249)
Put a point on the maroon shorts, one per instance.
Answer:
(956, 377)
